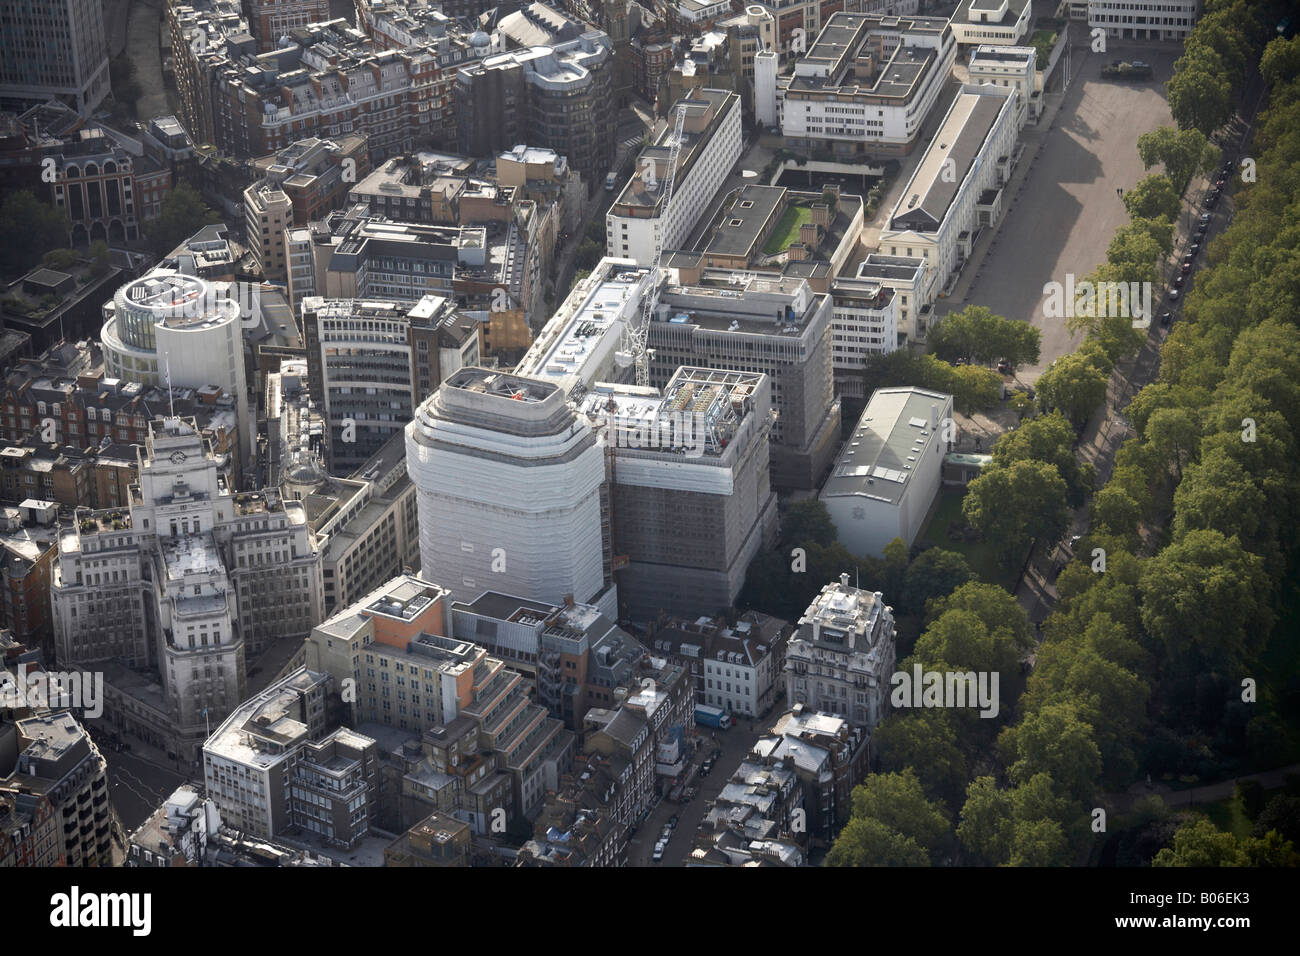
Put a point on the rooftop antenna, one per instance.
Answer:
(167, 366)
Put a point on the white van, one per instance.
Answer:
(611, 182)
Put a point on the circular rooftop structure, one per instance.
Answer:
(177, 301)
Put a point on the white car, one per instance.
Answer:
(659, 851)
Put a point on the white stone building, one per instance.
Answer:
(171, 328)
(842, 657)
(1013, 66)
(888, 473)
(912, 281)
(864, 323)
(997, 22)
(865, 87)
(188, 581)
(1163, 20)
(956, 189)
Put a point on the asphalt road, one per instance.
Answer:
(142, 36)
(137, 787)
(734, 743)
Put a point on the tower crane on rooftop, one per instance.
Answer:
(632, 346)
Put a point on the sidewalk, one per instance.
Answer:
(1209, 793)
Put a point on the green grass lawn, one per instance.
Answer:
(787, 230)
(1230, 816)
(979, 555)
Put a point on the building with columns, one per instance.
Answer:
(171, 595)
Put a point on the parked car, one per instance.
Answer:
(717, 752)
(1187, 267)
(1195, 247)
(1205, 218)
(666, 833)
(658, 855)
(672, 821)
(1173, 294)
(1166, 318)
(1004, 367)
(1178, 282)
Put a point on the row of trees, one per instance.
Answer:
(1143, 663)
(783, 580)
(30, 228)
(1214, 460)
(976, 335)
(1217, 61)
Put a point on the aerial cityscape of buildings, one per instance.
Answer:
(576, 434)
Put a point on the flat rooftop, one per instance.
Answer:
(743, 221)
(502, 384)
(878, 267)
(699, 101)
(191, 554)
(758, 305)
(989, 55)
(877, 460)
(578, 339)
(838, 59)
(502, 606)
(978, 12)
(930, 192)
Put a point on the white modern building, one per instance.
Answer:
(167, 327)
(510, 483)
(54, 49)
(577, 347)
(889, 471)
(991, 22)
(1013, 66)
(188, 581)
(956, 189)
(911, 280)
(864, 323)
(842, 657)
(865, 87)
(1164, 20)
(711, 145)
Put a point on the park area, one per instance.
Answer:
(948, 529)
